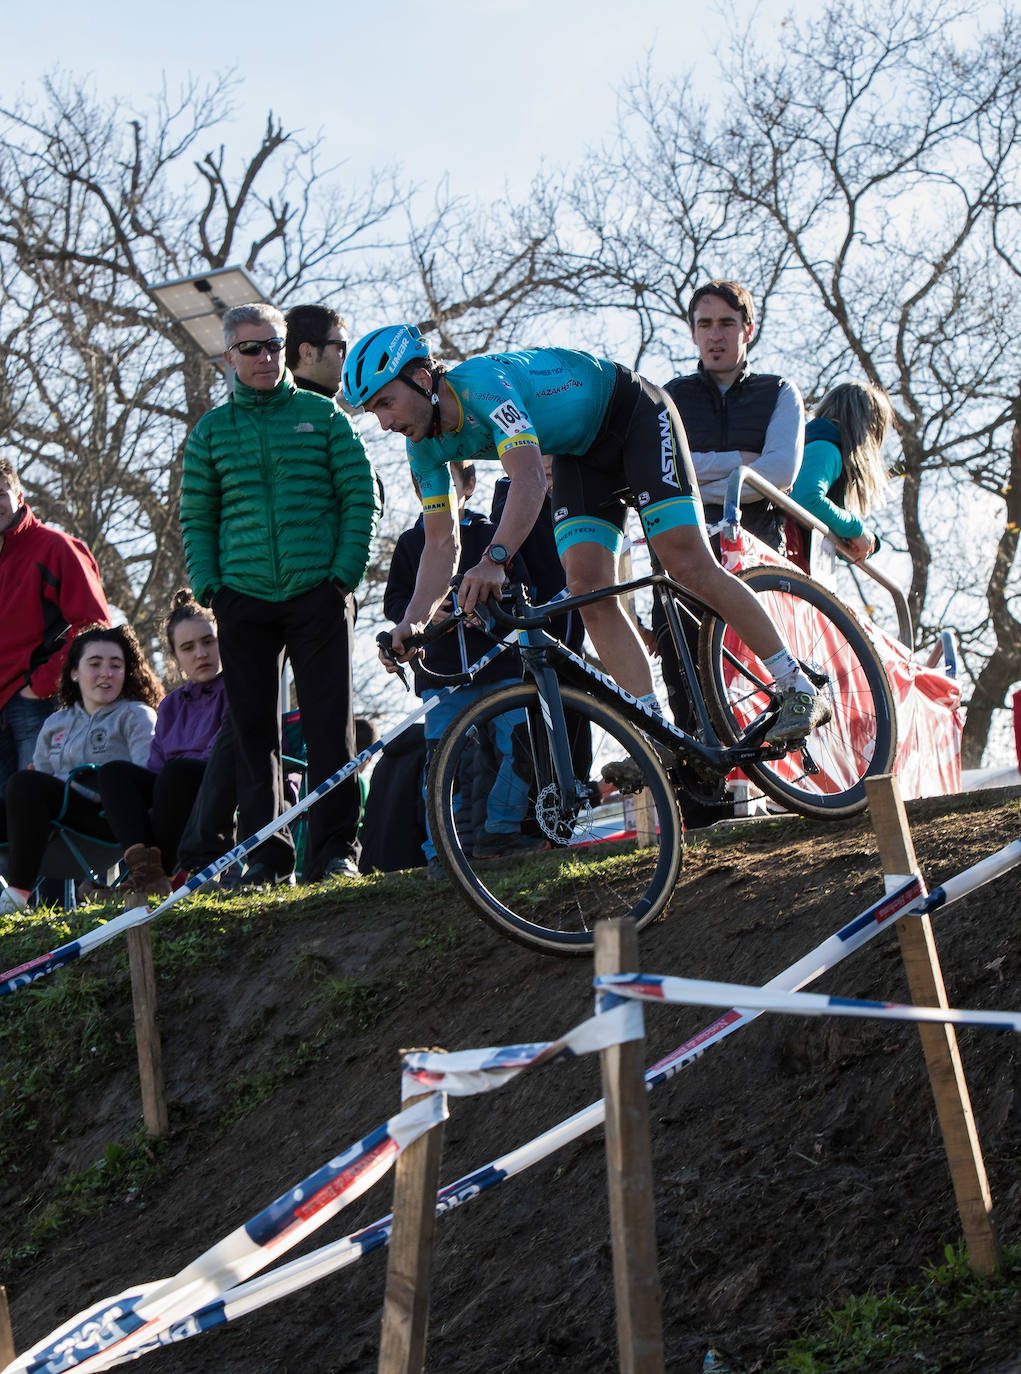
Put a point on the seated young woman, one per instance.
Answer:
(108, 696)
(842, 473)
(148, 806)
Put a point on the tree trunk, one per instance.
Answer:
(1003, 667)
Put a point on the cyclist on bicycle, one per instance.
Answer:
(608, 427)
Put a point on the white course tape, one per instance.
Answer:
(479, 1071)
(650, 987)
(115, 1328)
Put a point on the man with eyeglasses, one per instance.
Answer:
(316, 348)
(278, 509)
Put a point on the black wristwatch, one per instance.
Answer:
(496, 553)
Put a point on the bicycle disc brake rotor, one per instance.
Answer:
(549, 813)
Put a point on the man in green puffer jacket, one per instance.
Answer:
(278, 509)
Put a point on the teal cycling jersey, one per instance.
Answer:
(552, 398)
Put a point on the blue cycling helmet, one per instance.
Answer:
(378, 357)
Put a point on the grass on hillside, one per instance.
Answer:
(53, 1034)
(870, 1331)
(59, 1032)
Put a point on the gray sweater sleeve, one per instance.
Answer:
(778, 462)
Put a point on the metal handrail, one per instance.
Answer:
(732, 515)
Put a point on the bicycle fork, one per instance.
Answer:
(552, 810)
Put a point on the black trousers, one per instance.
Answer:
(150, 808)
(33, 804)
(315, 630)
(209, 831)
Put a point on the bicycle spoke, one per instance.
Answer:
(827, 776)
(540, 866)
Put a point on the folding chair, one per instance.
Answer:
(71, 857)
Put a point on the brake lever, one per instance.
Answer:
(385, 644)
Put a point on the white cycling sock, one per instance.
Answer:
(787, 673)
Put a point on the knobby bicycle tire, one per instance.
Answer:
(608, 855)
(827, 777)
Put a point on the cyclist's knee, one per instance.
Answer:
(687, 557)
(587, 572)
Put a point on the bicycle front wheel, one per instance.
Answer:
(540, 867)
(825, 777)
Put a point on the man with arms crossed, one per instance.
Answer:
(734, 416)
(278, 508)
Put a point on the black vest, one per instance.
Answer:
(716, 421)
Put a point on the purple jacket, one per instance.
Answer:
(187, 721)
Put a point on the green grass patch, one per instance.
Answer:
(121, 1171)
(867, 1332)
(351, 1004)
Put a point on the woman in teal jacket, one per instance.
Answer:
(842, 473)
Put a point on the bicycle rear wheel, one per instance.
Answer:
(570, 861)
(826, 776)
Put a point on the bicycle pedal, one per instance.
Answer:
(625, 775)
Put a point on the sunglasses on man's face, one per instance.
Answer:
(251, 348)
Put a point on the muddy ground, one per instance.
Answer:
(795, 1165)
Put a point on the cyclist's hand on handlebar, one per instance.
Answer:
(402, 652)
(480, 583)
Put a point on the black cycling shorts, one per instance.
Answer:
(641, 445)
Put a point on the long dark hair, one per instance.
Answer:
(140, 682)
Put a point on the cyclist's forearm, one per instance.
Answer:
(432, 583)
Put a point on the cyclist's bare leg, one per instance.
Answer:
(590, 566)
(687, 557)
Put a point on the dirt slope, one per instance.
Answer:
(795, 1165)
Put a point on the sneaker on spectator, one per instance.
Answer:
(255, 875)
(341, 866)
(227, 879)
(11, 900)
(489, 845)
(434, 871)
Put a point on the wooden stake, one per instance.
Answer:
(939, 1042)
(409, 1264)
(629, 1175)
(645, 819)
(147, 1037)
(6, 1332)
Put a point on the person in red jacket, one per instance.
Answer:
(49, 590)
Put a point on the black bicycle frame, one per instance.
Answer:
(540, 651)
